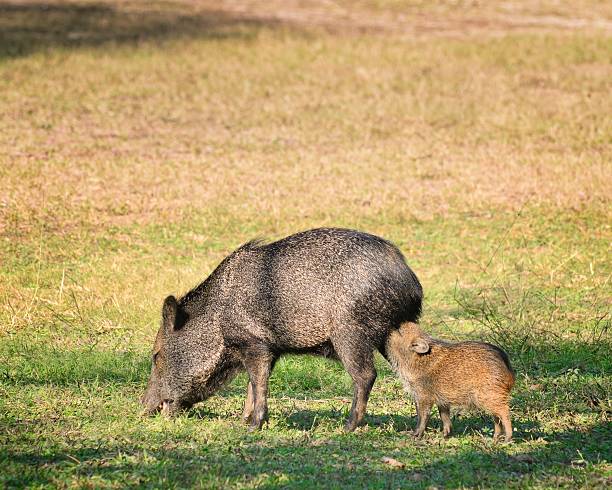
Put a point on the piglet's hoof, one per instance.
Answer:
(350, 425)
(258, 423)
(255, 426)
(499, 439)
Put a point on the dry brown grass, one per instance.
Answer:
(262, 118)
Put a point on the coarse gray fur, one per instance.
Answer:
(328, 291)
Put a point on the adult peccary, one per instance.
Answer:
(472, 374)
(331, 292)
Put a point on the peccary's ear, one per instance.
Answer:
(420, 346)
(169, 313)
(173, 316)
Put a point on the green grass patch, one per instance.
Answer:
(141, 144)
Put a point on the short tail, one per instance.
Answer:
(509, 375)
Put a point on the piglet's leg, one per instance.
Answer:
(447, 426)
(505, 420)
(423, 412)
(502, 424)
(498, 428)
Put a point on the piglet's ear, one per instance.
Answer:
(169, 314)
(420, 346)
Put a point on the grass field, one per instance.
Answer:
(141, 142)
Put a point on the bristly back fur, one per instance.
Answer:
(198, 293)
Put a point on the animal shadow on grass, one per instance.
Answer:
(30, 27)
(477, 423)
(548, 464)
(311, 419)
(339, 460)
(463, 424)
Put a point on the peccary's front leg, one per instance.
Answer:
(258, 365)
(423, 412)
(249, 406)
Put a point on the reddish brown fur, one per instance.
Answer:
(469, 374)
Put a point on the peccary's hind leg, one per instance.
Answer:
(447, 426)
(247, 413)
(258, 365)
(359, 363)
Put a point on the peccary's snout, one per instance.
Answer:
(150, 407)
(151, 401)
(154, 404)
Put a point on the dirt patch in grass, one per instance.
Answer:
(420, 18)
(28, 26)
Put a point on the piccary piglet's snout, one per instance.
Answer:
(331, 292)
(472, 374)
